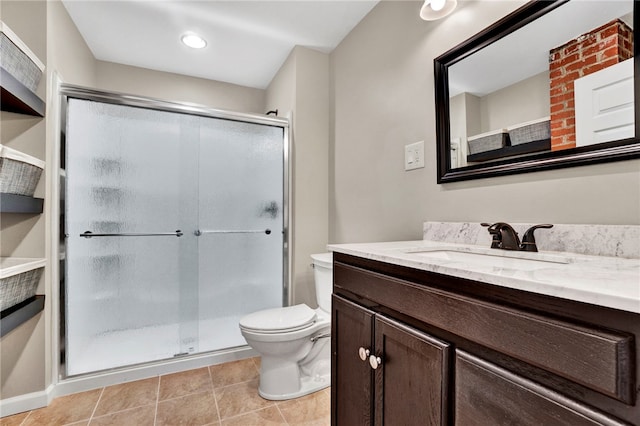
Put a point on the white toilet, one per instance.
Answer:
(294, 342)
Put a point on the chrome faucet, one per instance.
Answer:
(506, 238)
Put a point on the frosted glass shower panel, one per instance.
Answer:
(174, 230)
(241, 196)
(126, 181)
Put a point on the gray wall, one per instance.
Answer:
(524, 101)
(179, 88)
(300, 90)
(382, 78)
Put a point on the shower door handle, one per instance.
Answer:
(199, 232)
(89, 234)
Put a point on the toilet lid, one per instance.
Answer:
(277, 320)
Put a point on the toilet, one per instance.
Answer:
(294, 342)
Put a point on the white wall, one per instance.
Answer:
(382, 75)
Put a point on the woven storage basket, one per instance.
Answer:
(18, 288)
(17, 59)
(19, 173)
(531, 131)
(488, 141)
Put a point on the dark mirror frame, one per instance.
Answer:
(606, 152)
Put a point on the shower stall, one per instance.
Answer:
(174, 227)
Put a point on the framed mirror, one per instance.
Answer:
(550, 85)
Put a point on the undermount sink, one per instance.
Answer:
(525, 261)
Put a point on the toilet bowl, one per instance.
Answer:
(294, 341)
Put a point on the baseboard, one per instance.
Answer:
(32, 401)
(84, 383)
(26, 402)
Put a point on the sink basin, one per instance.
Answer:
(524, 261)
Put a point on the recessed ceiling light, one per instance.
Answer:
(193, 40)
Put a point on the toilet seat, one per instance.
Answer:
(279, 320)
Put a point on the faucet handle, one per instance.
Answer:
(496, 241)
(529, 240)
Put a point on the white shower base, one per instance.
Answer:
(131, 347)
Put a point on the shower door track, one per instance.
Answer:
(67, 92)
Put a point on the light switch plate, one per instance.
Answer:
(414, 156)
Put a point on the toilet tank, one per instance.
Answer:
(323, 277)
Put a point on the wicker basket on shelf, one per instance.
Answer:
(19, 172)
(18, 288)
(18, 60)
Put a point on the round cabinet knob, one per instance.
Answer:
(363, 353)
(375, 361)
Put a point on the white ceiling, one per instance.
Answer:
(248, 41)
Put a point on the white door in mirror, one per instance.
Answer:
(604, 105)
(414, 156)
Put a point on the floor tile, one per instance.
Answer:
(127, 395)
(193, 410)
(187, 398)
(257, 361)
(234, 372)
(239, 399)
(313, 409)
(13, 420)
(270, 416)
(65, 410)
(185, 383)
(140, 416)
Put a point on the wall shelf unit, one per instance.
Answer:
(24, 322)
(12, 203)
(16, 315)
(17, 98)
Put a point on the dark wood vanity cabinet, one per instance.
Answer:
(392, 373)
(451, 351)
(351, 330)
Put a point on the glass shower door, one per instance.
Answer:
(241, 241)
(174, 228)
(131, 207)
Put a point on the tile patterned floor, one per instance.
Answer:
(222, 395)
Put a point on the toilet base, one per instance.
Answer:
(285, 379)
(307, 385)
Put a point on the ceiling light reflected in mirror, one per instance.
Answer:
(193, 40)
(436, 9)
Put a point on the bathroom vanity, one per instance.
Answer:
(436, 334)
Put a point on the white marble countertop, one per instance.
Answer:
(605, 281)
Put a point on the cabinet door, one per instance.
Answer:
(489, 395)
(411, 381)
(350, 375)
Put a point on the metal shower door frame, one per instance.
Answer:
(68, 92)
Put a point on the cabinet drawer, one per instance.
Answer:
(489, 395)
(598, 359)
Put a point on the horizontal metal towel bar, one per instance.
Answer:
(89, 234)
(231, 231)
